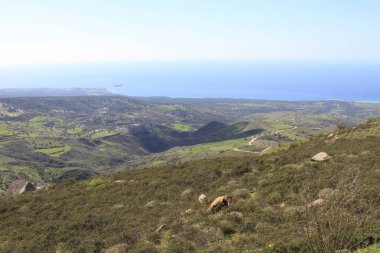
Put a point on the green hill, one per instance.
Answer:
(272, 208)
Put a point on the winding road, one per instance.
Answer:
(255, 138)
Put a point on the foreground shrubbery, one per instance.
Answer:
(372, 249)
(268, 211)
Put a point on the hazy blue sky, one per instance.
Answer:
(88, 31)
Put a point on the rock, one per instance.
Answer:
(186, 193)
(236, 215)
(160, 228)
(188, 211)
(266, 150)
(219, 203)
(117, 206)
(20, 186)
(151, 204)
(38, 188)
(330, 135)
(203, 199)
(118, 248)
(316, 202)
(322, 156)
(28, 187)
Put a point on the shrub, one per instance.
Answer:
(264, 228)
(144, 247)
(228, 227)
(98, 181)
(241, 194)
(236, 217)
(220, 247)
(274, 198)
(372, 249)
(180, 245)
(326, 193)
(340, 220)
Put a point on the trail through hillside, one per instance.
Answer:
(252, 141)
(283, 130)
(255, 138)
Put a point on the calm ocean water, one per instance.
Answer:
(234, 79)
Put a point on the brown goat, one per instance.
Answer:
(219, 202)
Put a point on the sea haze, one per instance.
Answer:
(358, 81)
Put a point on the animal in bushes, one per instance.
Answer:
(219, 203)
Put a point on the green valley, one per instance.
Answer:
(63, 138)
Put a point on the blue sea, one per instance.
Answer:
(284, 80)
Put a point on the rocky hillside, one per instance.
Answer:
(282, 201)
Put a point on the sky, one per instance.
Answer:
(38, 32)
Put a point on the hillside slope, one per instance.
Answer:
(268, 212)
(55, 139)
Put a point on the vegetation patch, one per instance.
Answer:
(75, 131)
(98, 181)
(55, 152)
(173, 107)
(102, 134)
(371, 249)
(181, 127)
(4, 130)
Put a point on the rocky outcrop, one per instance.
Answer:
(322, 156)
(20, 186)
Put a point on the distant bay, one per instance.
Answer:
(296, 80)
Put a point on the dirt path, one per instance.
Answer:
(245, 151)
(279, 131)
(255, 138)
